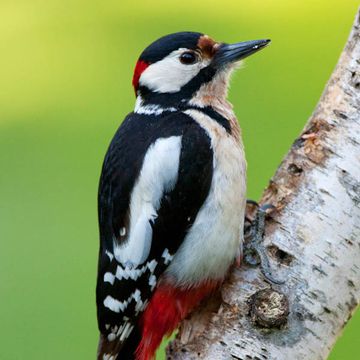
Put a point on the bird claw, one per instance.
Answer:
(254, 249)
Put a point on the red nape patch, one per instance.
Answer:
(168, 306)
(139, 69)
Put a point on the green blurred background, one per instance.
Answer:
(65, 85)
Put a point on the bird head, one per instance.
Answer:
(176, 67)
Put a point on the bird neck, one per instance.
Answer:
(211, 93)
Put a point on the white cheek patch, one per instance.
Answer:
(170, 75)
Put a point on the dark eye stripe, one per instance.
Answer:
(188, 58)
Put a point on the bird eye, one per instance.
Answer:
(188, 58)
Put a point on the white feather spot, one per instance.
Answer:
(109, 277)
(140, 306)
(109, 254)
(152, 265)
(137, 295)
(139, 302)
(114, 329)
(126, 332)
(111, 337)
(114, 304)
(152, 282)
(166, 256)
(108, 357)
(123, 231)
(121, 328)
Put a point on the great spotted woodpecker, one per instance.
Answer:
(171, 195)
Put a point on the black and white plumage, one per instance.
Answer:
(172, 189)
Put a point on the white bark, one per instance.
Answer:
(312, 238)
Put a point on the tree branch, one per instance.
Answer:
(312, 239)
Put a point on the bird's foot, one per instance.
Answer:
(254, 249)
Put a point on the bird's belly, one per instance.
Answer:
(216, 236)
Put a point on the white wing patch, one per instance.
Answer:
(157, 176)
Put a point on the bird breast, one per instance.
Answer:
(216, 235)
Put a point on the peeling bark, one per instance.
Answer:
(312, 239)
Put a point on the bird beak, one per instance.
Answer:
(230, 53)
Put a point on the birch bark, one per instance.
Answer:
(312, 238)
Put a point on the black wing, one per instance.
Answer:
(123, 291)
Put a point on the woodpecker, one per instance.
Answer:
(172, 194)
